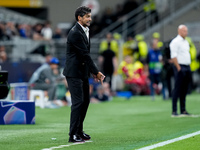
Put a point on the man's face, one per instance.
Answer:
(85, 20)
(54, 66)
(183, 31)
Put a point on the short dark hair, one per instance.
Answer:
(82, 11)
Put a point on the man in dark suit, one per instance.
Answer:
(77, 69)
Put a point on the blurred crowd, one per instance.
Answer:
(110, 15)
(44, 31)
(145, 69)
(39, 31)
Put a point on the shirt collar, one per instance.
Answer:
(85, 29)
(180, 37)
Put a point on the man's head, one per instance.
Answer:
(182, 30)
(128, 59)
(109, 36)
(154, 44)
(83, 16)
(54, 63)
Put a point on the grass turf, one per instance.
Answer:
(117, 125)
(187, 144)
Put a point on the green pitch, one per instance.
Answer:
(117, 125)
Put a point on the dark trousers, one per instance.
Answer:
(155, 79)
(182, 80)
(79, 90)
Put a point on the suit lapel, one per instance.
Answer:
(84, 34)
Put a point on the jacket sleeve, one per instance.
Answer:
(82, 51)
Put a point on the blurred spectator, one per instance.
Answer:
(134, 76)
(23, 32)
(44, 66)
(141, 50)
(47, 31)
(3, 35)
(107, 90)
(154, 59)
(150, 9)
(108, 63)
(47, 79)
(3, 55)
(37, 35)
(100, 96)
(11, 30)
(109, 43)
(194, 64)
(156, 36)
(193, 52)
(167, 71)
(57, 34)
(129, 46)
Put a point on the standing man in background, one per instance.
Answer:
(181, 59)
(77, 69)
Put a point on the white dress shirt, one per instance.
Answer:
(85, 29)
(179, 48)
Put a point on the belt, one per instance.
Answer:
(184, 65)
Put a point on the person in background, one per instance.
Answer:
(129, 46)
(109, 43)
(58, 34)
(3, 35)
(141, 50)
(36, 74)
(100, 96)
(11, 30)
(167, 71)
(134, 75)
(46, 31)
(180, 55)
(47, 79)
(156, 35)
(194, 64)
(154, 61)
(108, 63)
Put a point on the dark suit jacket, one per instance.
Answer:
(78, 61)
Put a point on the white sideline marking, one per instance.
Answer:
(170, 141)
(61, 146)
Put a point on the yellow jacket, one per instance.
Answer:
(131, 68)
(128, 47)
(193, 53)
(113, 46)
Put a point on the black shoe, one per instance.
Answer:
(185, 114)
(76, 139)
(85, 136)
(174, 114)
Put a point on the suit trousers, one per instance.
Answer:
(182, 80)
(80, 97)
